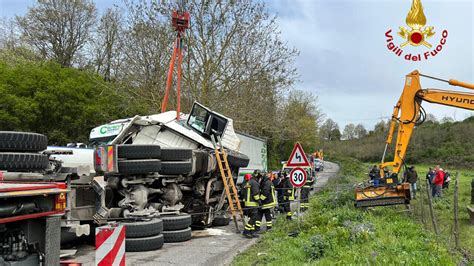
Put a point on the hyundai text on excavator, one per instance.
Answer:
(390, 189)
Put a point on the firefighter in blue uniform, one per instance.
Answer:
(288, 195)
(305, 191)
(268, 202)
(251, 196)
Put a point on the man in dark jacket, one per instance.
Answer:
(251, 197)
(412, 177)
(268, 202)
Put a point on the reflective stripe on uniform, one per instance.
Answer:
(269, 223)
(262, 197)
(258, 223)
(249, 227)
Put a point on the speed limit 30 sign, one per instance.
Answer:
(298, 177)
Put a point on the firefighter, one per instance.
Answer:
(288, 195)
(251, 202)
(305, 192)
(268, 202)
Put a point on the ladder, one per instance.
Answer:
(228, 180)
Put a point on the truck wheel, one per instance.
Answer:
(20, 162)
(176, 168)
(178, 235)
(135, 229)
(139, 166)
(237, 159)
(144, 243)
(221, 221)
(176, 222)
(168, 154)
(202, 161)
(131, 151)
(22, 141)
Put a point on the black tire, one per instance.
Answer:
(139, 166)
(221, 221)
(169, 154)
(176, 168)
(139, 151)
(21, 162)
(144, 243)
(237, 159)
(177, 235)
(176, 222)
(135, 229)
(22, 141)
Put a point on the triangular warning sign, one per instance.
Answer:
(298, 157)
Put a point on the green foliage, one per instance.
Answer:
(334, 232)
(63, 103)
(432, 143)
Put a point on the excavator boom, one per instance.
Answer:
(389, 189)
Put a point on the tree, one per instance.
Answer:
(431, 118)
(360, 131)
(381, 126)
(106, 44)
(63, 103)
(349, 132)
(447, 119)
(58, 29)
(330, 130)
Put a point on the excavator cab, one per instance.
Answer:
(388, 188)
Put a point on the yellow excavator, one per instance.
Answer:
(388, 188)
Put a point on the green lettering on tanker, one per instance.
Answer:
(109, 128)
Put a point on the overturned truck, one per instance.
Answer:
(152, 165)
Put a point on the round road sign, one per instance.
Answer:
(298, 177)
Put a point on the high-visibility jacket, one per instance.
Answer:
(309, 183)
(289, 191)
(251, 193)
(267, 193)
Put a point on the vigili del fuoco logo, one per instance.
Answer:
(417, 35)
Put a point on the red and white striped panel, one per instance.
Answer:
(110, 245)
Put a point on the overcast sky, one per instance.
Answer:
(343, 55)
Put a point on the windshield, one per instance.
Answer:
(198, 118)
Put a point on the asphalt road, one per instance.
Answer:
(212, 246)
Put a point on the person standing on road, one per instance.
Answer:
(251, 202)
(305, 191)
(268, 202)
(438, 182)
(279, 183)
(288, 197)
(412, 177)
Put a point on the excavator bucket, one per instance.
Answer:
(383, 195)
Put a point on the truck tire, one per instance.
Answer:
(168, 154)
(128, 151)
(22, 141)
(139, 166)
(135, 229)
(21, 162)
(177, 235)
(237, 159)
(176, 222)
(221, 221)
(144, 243)
(176, 168)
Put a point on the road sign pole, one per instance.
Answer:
(299, 206)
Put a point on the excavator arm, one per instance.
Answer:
(408, 113)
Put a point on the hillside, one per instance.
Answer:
(432, 143)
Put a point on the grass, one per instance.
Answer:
(333, 232)
(444, 210)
